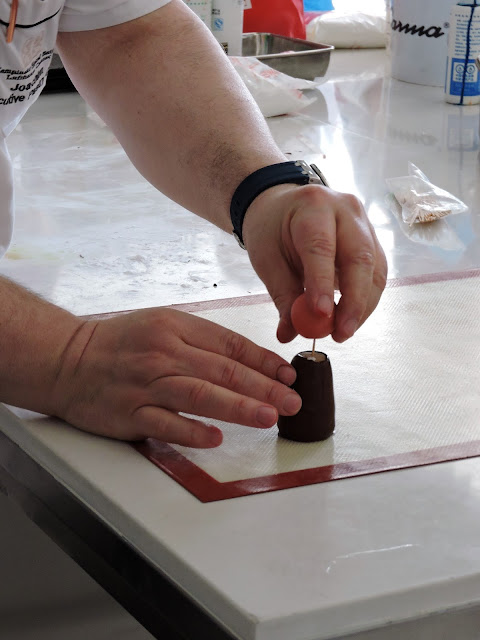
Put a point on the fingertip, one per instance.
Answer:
(338, 338)
(286, 375)
(346, 330)
(285, 331)
(214, 437)
(266, 417)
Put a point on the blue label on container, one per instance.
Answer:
(218, 24)
(458, 76)
(317, 5)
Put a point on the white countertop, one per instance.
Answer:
(87, 221)
(308, 563)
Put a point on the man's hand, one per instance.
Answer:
(172, 113)
(310, 237)
(129, 377)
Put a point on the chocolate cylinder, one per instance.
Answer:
(316, 419)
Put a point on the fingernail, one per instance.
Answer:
(266, 416)
(292, 404)
(286, 374)
(350, 326)
(325, 305)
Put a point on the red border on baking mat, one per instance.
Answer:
(259, 298)
(208, 489)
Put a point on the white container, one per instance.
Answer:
(462, 81)
(419, 30)
(203, 9)
(227, 24)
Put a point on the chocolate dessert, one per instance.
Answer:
(316, 419)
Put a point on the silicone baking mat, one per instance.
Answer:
(407, 391)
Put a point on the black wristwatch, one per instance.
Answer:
(295, 171)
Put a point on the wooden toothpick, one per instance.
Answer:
(313, 347)
(12, 20)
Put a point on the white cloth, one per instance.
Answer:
(24, 64)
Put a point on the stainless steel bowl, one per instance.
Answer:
(293, 56)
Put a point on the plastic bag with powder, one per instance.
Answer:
(275, 93)
(349, 30)
(422, 201)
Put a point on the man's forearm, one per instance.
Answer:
(176, 104)
(34, 336)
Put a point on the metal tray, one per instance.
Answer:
(293, 56)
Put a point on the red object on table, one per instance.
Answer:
(281, 17)
(311, 15)
(307, 323)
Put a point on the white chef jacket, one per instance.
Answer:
(24, 64)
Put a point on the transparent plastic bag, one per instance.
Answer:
(435, 234)
(422, 201)
(275, 93)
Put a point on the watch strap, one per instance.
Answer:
(294, 171)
